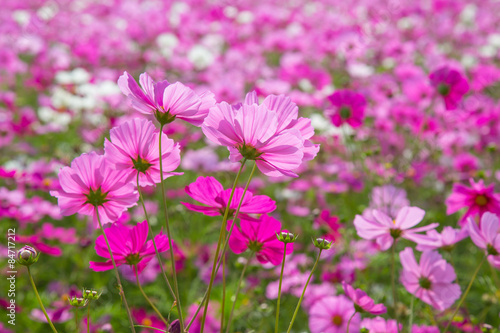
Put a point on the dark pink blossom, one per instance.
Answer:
(362, 302)
(450, 84)
(349, 107)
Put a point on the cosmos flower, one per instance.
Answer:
(90, 184)
(259, 237)
(385, 230)
(331, 314)
(210, 192)
(486, 236)
(362, 302)
(431, 280)
(142, 318)
(129, 246)
(478, 199)
(434, 240)
(349, 107)
(450, 84)
(166, 101)
(134, 148)
(380, 325)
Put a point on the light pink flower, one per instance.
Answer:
(254, 132)
(330, 315)
(450, 84)
(362, 302)
(349, 107)
(134, 148)
(380, 325)
(431, 280)
(385, 230)
(486, 236)
(259, 237)
(210, 192)
(478, 199)
(89, 183)
(434, 240)
(129, 246)
(166, 101)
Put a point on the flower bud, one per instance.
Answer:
(78, 302)
(286, 237)
(175, 327)
(91, 294)
(486, 328)
(323, 244)
(27, 256)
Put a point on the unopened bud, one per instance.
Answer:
(27, 256)
(322, 243)
(78, 302)
(91, 294)
(286, 237)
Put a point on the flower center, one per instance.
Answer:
(481, 200)
(491, 250)
(249, 152)
(395, 233)
(96, 198)
(254, 246)
(133, 259)
(164, 117)
(425, 283)
(337, 320)
(147, 322)
(141, 164)
(345, 112)
(444, 89)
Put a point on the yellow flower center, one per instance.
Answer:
(481, 200)
(147, 322)
(337, 320)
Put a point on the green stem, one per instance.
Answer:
(146, 297)
(349, 321)
(221, 233)
(40, 301)
(88, 317)
(279, 292)
(393, 283)
(462, 299)
(158, 257)
(223, 301)
(76, 320)
(151, 328)
(122, 293)
(303, 292)
(238, 291)
(174, 272)
(411, 313)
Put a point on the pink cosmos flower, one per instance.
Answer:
(212, 325)
(450, 84)
(255, 132)
(385, 230)
(362, 302)
(91, 183)
(166, 101)
(330, 315)
(142, 318)
(134, 148)
(434, 240)
(349, 107)
(424, 329)
(210, 192)
(430, 280)
(330, 222)
(380, 325)
(486, 236)
(388, 199)
(478, 199)
(259, 237)
(129, 246)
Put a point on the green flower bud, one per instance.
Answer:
(91, 294)
(78, 302)
(27, 256)
(322, 243)
(286, 237)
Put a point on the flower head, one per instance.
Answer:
(210, 192)
(380, 325)
(434, 240)
(349, 107)
(431, 280)
(143, 318)
(486, 236)
(134, 148)
(478, 199)
(129, 246)
(330, 314)
(166, 101)
(259, 237)
(386, 230)
(450, 84)
(91, 185)
(27, 256)
(362, 302)
(286, 237)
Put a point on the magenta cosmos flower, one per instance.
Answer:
(385, 230)
(431, 280)
(210, 192)
(268, 133)
(91, 183)
(349, 107)
(134, 148)
(486, 236)
(129, 246)
(380, 325)
(478, 199)
(362, 302)
(450, 84)
(331, 314)
(259, 237)
(166, 101)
